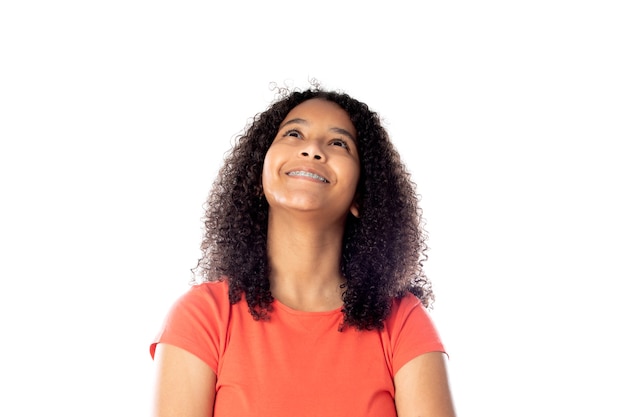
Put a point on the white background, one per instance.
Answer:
(114, 117)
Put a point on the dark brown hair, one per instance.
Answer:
(383, 250)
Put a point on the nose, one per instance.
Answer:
(315, 156)
(312, 150)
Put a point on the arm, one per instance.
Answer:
(422, 388)
(184, 384)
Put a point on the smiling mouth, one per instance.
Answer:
(307, 174)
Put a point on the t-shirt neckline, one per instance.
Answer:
(293, 311)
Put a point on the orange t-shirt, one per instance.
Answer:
(297, 363)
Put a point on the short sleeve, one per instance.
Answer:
(197, 322)
(412, 331)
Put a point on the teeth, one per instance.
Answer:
(307, 174)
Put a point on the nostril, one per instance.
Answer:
(305, 154)
(317, 157)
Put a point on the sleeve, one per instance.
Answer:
(412, 331)
(197, 322)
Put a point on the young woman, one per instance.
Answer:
(311, 299)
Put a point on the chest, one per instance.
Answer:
(302, 365)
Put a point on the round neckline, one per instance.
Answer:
(293, 311)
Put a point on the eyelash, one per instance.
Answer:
(343, 143)
(289, 132)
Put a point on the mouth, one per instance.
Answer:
(308, 175)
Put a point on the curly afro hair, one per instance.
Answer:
(383, 250)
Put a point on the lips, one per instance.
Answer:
(308, 174)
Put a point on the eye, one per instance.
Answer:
(293, 133)
(340, 142)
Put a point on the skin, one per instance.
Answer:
(422, 388)
(307, 215)
(305, 229)
(184, 384)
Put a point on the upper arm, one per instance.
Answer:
(422, 388)
(184, 384)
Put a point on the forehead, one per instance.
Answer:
(323, 112)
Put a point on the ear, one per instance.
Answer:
(354, 209)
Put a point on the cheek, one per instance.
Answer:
(266, 172)
(356, 174)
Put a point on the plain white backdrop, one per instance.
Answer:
(115, 116)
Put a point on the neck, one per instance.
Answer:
(304, 261)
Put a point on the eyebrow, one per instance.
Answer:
(338, 130)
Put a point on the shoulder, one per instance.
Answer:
(411, 330)
(198, 321)
(408, 312)
(202, 307)
(402, 308)
(203, 300)
(215, 291)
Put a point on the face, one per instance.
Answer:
(313, 162)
